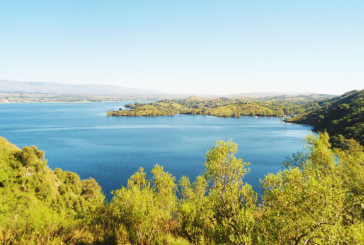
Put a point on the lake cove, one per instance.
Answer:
(79, 137)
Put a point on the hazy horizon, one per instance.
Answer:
(151, 91)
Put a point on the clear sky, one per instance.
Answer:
(208, 47)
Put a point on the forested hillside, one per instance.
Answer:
(317, 199)
(342, 115)
(38, 205)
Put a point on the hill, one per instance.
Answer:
(42, 87)
(38, 205)
(192, 97)
(343, 115)
(298, 98)
(264, 94)
(287, 97)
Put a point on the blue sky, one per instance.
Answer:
(205, 47)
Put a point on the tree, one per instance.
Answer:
(316, 199)
(234, 202)
(143, 210)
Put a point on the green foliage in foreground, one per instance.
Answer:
(40, 206)
(317, 199)
(344, 116)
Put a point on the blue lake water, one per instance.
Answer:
(79, 137)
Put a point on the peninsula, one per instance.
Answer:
(225, 107)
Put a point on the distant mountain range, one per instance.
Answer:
(266, 94)
(7, 86)
(269, 96)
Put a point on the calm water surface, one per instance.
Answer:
(79, 137)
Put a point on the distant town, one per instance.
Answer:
(74, 98)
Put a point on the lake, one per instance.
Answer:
(78, 137)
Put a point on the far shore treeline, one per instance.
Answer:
(317, 198)
(224, 107)
(341, 115)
